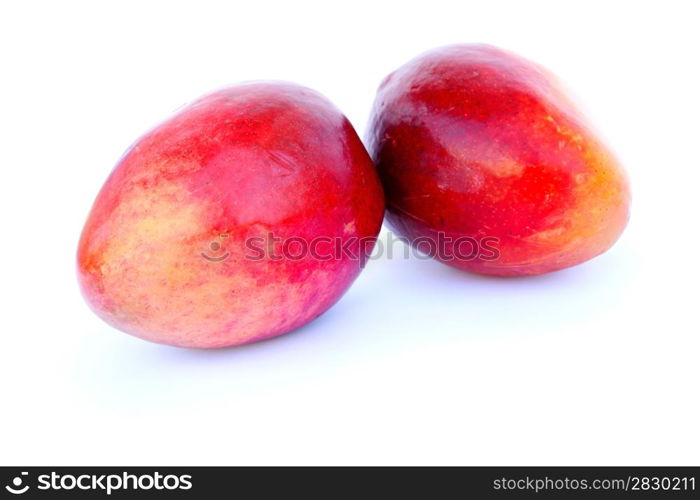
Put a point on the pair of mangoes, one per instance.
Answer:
(250, 212)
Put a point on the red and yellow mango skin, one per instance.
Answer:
(163, 253)
(472, 141)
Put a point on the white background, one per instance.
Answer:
(418, 363)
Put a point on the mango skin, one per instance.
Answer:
(472, 141)
(249, 161)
